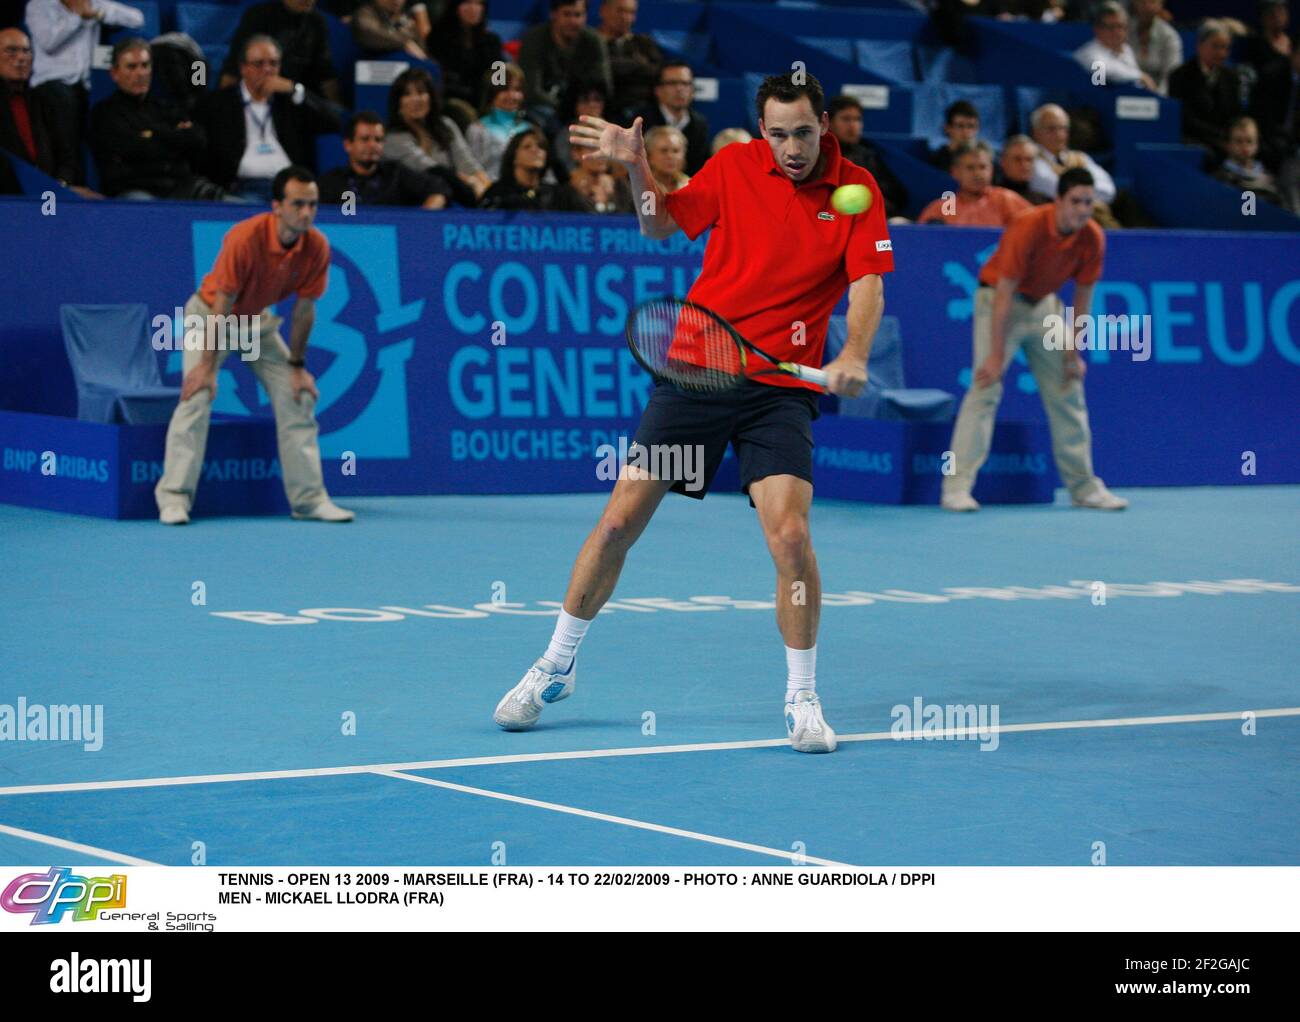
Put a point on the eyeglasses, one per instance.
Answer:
(677, 81)
(268, 62)
(13, 51)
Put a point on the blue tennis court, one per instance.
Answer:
(1159, 727)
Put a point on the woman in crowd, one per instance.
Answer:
(520, 184)
(423, 138)
(502, 117)
(465, 50)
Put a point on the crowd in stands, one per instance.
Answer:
(478, 122)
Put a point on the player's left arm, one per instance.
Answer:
(303, 319)
(847, 374)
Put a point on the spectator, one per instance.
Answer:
(674, 90)
(262, 125)
(978, 202)
(1108, 53)
(1016, 168)
(25, 119)
(845, 115)
(519, 183)
(1276, 107)
(262, 261)
(634, 59)
(604, 184)
(961, 123)
(1210, 92)
(1158, 48)
(583, 99)
(1241, 167)
(1270, 48)
(64, 36)
(466, 51)
(145, 150)
(302, 35)
(665, 149)
(373, 181)
(726, 136)
(382, 26)
(1051, 128)
(424, 139)
(502, 119)
(561, 51)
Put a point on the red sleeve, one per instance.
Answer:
(1090, 266)
(869, 250)
(315, 279)
(696, 207)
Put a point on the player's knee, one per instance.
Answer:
(615, 529)
(788, 541)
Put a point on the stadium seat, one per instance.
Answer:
(890, 58)
(329, 153)
(118, 380)
(208, 23)
(886, 395)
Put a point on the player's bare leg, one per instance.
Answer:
(630, 507)
(783, 503)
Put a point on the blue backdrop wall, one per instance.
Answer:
(485, 350)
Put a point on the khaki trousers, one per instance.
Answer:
(1067, 414)
(295, 423)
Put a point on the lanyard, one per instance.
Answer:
(261, 125)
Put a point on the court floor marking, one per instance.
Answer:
(72, 846)
(645, 750)
(658, 828)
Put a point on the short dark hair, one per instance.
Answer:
(659, 75)
(128, 45)
(783, 89)
(962, 108)
(359, 118)
(507, 170)
(253, 40)
(557, 4)
(1073, 178)
(842, 103)
(290, 173)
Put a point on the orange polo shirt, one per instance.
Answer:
(779, 254)
(259, 271)
(1041, 258)
(997, 207)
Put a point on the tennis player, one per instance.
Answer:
(776, 264)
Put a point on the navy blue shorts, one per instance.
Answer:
(769, 427)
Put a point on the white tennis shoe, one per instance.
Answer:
(542, 684)
(806, 726)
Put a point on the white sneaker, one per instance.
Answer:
(174, 514)
(959, 502)
(806, 726)
(1100, 499)
(325, 511)
(522, 705)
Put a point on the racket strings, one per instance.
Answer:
(687, 346)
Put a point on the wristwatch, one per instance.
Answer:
(299, 93)
(298, 363)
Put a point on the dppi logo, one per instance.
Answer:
(47, 896)
(362, 322)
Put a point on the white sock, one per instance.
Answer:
(569, 631)
(801, 665)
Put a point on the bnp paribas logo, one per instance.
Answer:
(365, 330)
(962, 308)
(49, 896)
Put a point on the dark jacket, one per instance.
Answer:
(49, 157)
(698, 143)
(868, 158)
(392, 184)
(463, 70)
(304, 43)
(510, 194)
(1207, 109)
(296, 126)
(137, 144)
(1278, 138)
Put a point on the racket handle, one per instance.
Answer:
(817, 376)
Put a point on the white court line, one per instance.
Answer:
(645, 750)
(72, 846)
(623, 820)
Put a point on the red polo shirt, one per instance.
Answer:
(779, 253)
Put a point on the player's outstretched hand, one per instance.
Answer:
(846, 378)
(597, 138)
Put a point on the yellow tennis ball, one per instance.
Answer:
(851, 199)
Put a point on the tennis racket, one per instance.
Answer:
(695, 348)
